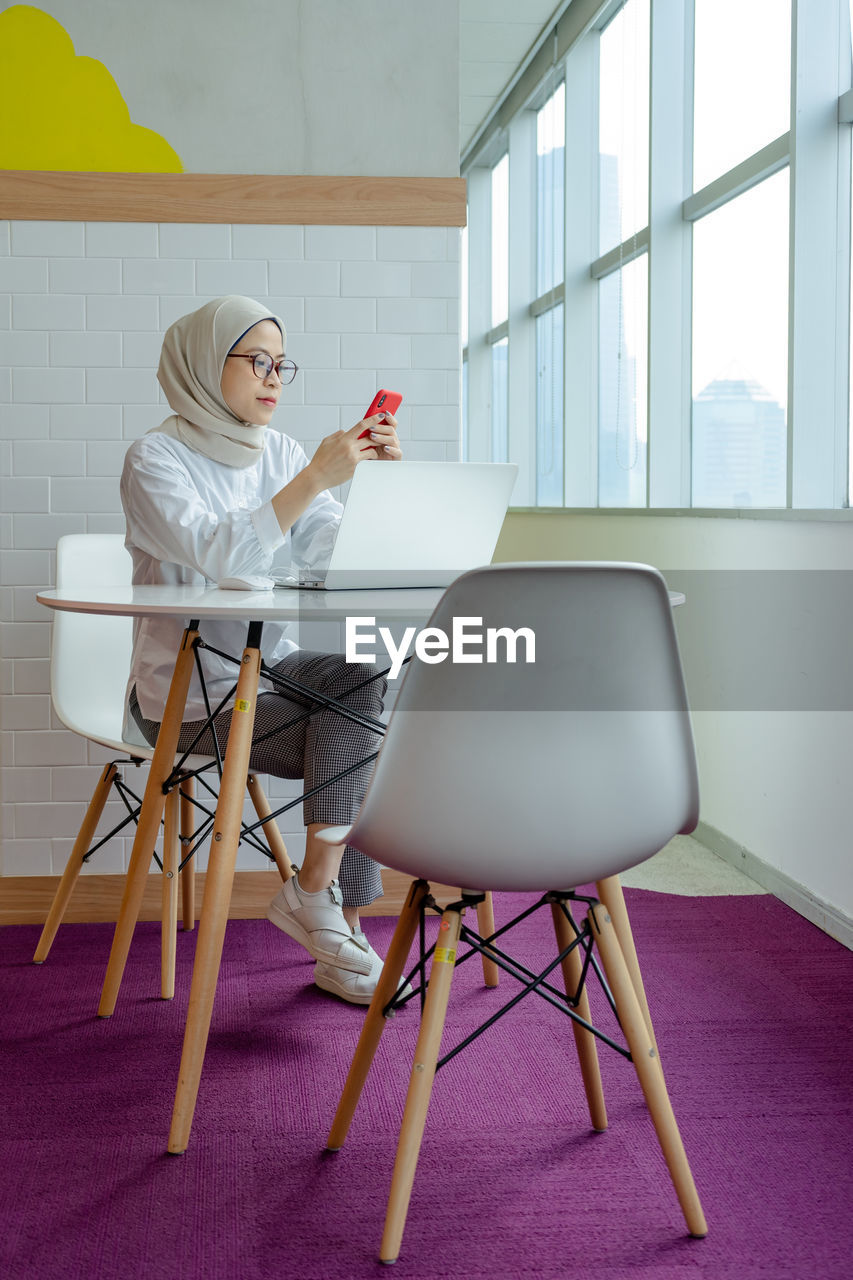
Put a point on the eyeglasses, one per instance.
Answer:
(263, 366)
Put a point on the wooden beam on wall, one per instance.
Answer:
(231, 198)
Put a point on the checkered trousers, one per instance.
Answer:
(316, 750)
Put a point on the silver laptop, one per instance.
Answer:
(416, 524)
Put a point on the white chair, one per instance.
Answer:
(89, 665)
(533, 776)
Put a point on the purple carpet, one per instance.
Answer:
(753, 1012)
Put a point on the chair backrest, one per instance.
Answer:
(545, 774)
(90, 654)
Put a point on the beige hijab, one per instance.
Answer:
(191, 364)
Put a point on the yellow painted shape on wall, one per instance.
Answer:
(61, 111)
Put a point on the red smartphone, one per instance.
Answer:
(382, 402)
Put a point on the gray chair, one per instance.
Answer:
(536, 776)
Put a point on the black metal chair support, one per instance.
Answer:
(314, 701)
(530, 981)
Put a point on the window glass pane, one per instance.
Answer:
(550, 184)
(463, 288)
(464, 454)
(742, 81)
(623, 382)
(740, 350)
(500, 390)
(549, 408)
(623, 136)
(500, 241)
(850, 441)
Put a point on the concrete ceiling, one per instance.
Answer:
(495, 35)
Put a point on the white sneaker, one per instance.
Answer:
(357, 988)
(316, 921)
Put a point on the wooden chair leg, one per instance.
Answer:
(169, 920)
(486, 927)
(610, 893)
(374, 1023)
(572, 967)
(420, 1084)
(75, 863)
(188, 873)
(647, 1066)
(147, 831)
(217, 896)
(272, 835)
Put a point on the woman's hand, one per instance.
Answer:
(337, 457)
(383, 434)
(334, 462)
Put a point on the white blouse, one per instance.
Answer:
(192, 520)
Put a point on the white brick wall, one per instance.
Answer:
(82, 312)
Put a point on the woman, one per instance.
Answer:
(209, 495)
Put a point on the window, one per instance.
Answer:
(844, 114)
(623, 107)
(740, 350)
(622, 418)
(500, 311)
(463, 334)
(500, 396)
(745, 47)
(623, 212)
(740, 258)
(549, 408)
(550, 189)
(550, 235)
(463, 272)
(500, 241)
(665, 323)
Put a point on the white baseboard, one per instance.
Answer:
(828, 918)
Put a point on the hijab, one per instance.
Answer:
(190, 372)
